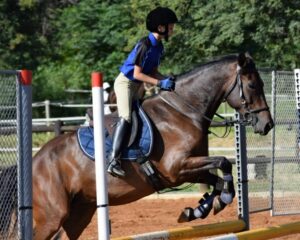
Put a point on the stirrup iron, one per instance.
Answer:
(114, 168)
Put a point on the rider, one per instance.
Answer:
(140, 66)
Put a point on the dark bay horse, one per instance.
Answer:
(64, 178)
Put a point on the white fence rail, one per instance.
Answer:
(47, 104)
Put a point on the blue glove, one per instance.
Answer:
(166, 84)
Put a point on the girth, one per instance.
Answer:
(153, 176)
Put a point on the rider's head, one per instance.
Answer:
(161, 20)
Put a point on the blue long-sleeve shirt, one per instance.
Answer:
(146, 54)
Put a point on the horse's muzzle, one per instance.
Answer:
(268, 127)
(263, 129)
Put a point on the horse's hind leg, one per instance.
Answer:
(81, 214)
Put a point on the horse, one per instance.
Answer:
(64, 194)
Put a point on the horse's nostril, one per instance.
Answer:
(268, 127)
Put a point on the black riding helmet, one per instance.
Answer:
(160, 16)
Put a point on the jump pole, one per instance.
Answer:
(189, 232)
(263, 233)
(100, 169)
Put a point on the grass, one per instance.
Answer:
(8, 143)
(39, 139)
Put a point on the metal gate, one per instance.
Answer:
(268, 167)
(286, 162)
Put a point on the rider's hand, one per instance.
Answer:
(166, 84)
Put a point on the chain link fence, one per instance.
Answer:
(273, 160)
(286, 170)
(259, 154)
(15, 155)
(8, 152)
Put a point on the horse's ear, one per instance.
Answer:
(247, 54)
(242, 59)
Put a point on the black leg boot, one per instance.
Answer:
(120, 132)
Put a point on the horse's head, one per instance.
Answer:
(247, 96)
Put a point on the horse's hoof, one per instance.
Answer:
(219, 205)
(187, 215)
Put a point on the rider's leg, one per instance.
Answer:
(125, 90)
(120, 132)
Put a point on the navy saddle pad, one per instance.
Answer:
(141, 147)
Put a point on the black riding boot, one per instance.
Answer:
(120, 132)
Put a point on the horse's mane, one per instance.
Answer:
(211, 62)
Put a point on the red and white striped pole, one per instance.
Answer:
(100, 166)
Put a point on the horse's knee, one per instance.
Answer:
(225, 166)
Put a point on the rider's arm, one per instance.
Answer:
(139, 75)
(156, 74)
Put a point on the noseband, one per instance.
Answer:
(249, 114)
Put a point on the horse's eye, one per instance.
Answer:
(251, 85)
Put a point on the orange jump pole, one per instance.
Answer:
(189, 232)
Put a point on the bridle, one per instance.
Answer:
(249, 117)
(248, 112)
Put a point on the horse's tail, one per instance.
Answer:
(8, 201)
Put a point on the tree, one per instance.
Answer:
(64, 41)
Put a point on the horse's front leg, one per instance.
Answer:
(197, 169)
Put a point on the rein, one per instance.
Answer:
(227, 122)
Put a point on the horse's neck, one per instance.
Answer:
(204, 90)
(197, 96)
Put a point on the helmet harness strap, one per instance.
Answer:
(165, 33)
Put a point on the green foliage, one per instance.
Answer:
(64, 41)
(89, 38)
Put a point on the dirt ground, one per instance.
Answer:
(157, 214)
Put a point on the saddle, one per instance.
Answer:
(139, 145)
(134, 124)
(139, 141)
